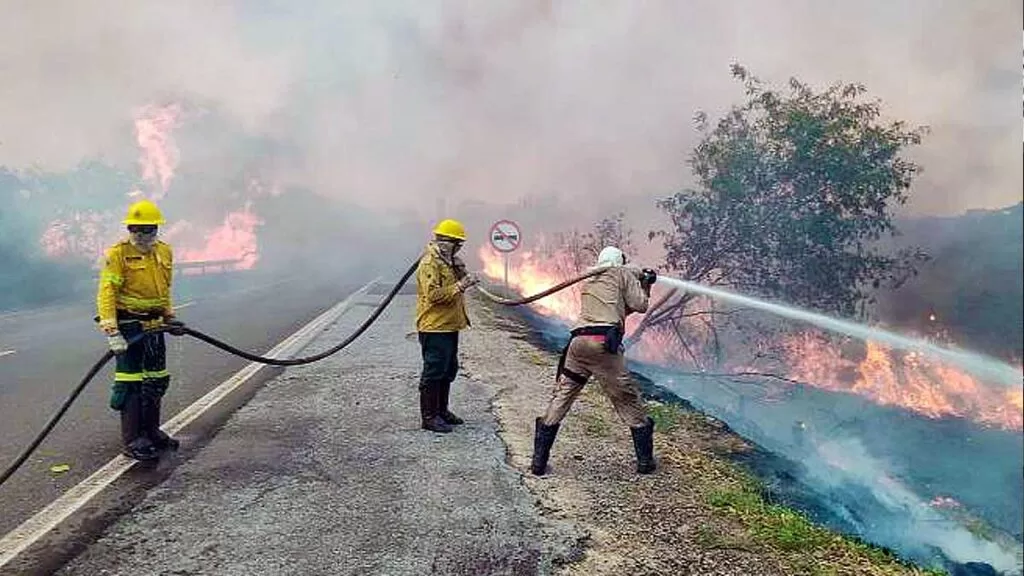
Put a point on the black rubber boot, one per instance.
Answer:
(429, 416)
(643, 443)
(161, 441)
(543, 438)
(443, 411)
(136, 444)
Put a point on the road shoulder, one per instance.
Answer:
(698, 514)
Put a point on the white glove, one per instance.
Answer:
(117, 343)
(468, 281)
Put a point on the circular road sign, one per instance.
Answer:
(505, 236)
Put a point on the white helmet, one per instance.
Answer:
(611, 256)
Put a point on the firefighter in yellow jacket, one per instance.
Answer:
(441, 280)
(134, 295)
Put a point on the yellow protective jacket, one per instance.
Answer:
(135, 281)
(440, 306)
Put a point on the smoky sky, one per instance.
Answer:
(394, 104)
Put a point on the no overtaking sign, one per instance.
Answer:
(505, 236)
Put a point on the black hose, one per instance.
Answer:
(64, 408)
(315, 357)
(181, 330)
(10, 470)
(556, 288)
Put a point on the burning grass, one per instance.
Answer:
(699, 514)
(795, 354)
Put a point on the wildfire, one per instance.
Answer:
(86, 234)
(234, 239)
(884, 376)
(902, 379)
(530, 276)
(160, 156)
(81, 234)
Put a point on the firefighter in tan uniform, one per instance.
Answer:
(595, 349)
(441, 280)
(134, 295)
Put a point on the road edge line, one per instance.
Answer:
(41, 523)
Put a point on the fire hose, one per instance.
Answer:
(185, 330)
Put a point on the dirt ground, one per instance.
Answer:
(696, 515)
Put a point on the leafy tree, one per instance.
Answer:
(794, 193)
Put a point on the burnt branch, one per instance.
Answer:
(746, 374)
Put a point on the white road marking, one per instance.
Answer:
(7, 353)
(184, 305)
(30, 531)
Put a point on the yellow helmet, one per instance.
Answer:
(143, 212)
(451, 229)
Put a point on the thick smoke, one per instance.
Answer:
(547, 111)
(398, 112)
(397, 104)
(910, 522)
(74, 72)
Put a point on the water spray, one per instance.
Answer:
(987, 368)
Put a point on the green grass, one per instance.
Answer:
(666, 416)
(793, 533)
(775, 525)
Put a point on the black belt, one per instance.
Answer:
(126, 316)
(612, 342)
(143, 316)
(592, 331)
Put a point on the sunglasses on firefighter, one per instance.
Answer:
(142, 228)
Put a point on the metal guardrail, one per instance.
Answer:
(202, 265)
(206, 265)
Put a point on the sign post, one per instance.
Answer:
(505, 238)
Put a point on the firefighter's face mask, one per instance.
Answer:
(449, 248)
(142, 237)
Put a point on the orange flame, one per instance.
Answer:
(153, 125)
(83, 234)
(884, 376)
(902, 379)
(531, 275)
(235, 239)
(86, 234)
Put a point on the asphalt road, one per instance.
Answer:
(326, 471)
(44, 353)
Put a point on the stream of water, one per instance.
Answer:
(986, 368)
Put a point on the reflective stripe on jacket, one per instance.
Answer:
(440, 306)
(135, 281)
